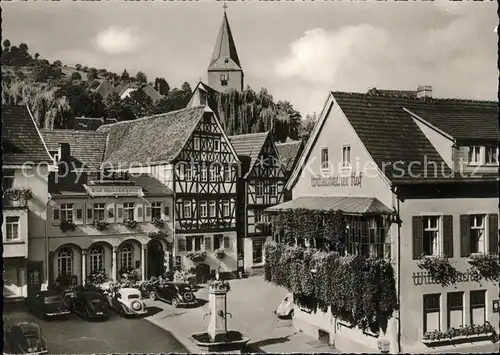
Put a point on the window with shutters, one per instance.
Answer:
(455, 306)
(203, 209)
(431, 235)
(67, 212)
(257, 251)
(99, 211)
(218, 241)
(128, 211)
(475, 155)
(432, 312)
(477, 234)
(477, 307)
(212, 208)
(187, 209)
(156, 210)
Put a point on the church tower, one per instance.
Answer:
(225, 72)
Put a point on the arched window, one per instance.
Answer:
(127, 257)
(96, 259)
(65, 262)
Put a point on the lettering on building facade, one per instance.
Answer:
(423, 278)
(339, 180)
(114, 190)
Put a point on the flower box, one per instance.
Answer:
(196, 255)
(101, 225)
(220, 253)
(17, 197)
(158, 223)
(131, 224)
(469, 333)
(458, 339)
(67, 226)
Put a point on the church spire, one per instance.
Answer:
(224, 56)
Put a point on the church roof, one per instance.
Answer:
(225, 56)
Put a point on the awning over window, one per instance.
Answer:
(348, 205)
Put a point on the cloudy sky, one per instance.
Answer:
(298, 51)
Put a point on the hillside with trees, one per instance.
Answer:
(56, 94)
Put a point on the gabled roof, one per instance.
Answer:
(21, 139)
(354, 205)
(390, 135)
(249, 145)
(105, 88)
(289, 153)
(86, 147)
(224, 49)
(154, 139)
(151, 92)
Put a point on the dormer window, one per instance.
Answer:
(492, 155)
(474, 155)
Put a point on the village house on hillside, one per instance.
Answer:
(25, 170)
(260, 185)
(125, 87)
(188, 151)
(417, 179)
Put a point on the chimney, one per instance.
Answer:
(424, 91)
(64, 152)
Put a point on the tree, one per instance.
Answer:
(37, 55)
(23, 47)
(6, 44)
(75, 76)
(57, 63)
(92, 74)
(141, 104)
(161, 86)
(118, 108)
(308, 123)
(78, 66)
(141, 77)
(85, 69)
(186, 87)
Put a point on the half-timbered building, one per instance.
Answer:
(289, 153)
(188, 151)
(260, 186)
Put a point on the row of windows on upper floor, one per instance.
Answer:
(214, 173)
(455, 313)
(477, 155)
(482, 155)
(110, 213)
(207, 144)
(203, 209)
(433, 235)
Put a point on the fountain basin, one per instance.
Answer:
(232, 342)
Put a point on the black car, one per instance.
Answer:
(90, 305)
(25, 338)
(175, 293)
(48, 304)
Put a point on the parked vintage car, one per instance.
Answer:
(48, 304)
(127, 301)
(25, 338)
(175, 293)
(285, 309)
(90, 305)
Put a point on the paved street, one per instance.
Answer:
(251, 302)
(117, 335)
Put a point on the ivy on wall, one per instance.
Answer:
(358, 290)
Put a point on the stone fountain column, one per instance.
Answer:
(217, 298)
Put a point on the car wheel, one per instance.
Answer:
(175, 303)
(290, 314)
(153, 296)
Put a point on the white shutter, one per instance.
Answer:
(119, 213)
(139, 212)
(166, 213)
(110, 213)
(78, 213)
(147, 212)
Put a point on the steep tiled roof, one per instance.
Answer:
(21, 140)
(91, 123)
(355, 205)
(464, 122)
(224, 49)
(151, 92)
(289, 153)
(158, 138)
(86, 147)
(151, 186)
(249, 145)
